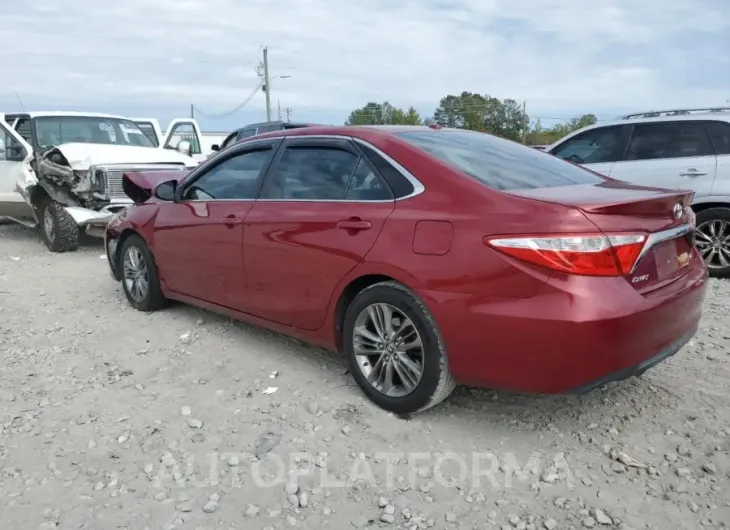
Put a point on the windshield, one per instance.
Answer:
(51, 131)
(500, 164)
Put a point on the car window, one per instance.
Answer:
(498, 163)
(720, 135)
(674, 139)
(149, 131)
(235, 178)
(366, 185)
(595, 146)
(312, 173)
(183, 132)
(247, 133)
(229, 139)
(22, 126)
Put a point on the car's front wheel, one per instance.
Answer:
(712, 239)
(140, 280)
(58, 229)
(394, 349)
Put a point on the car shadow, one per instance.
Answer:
(10, 231)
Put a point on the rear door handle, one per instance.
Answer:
(354, 224)
(692, 172)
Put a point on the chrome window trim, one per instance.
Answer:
(657, 238)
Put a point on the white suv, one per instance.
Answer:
(680, 148)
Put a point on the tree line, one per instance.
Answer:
(506, 118)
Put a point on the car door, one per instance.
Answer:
(198, 239)
(185, 129)
(720, 136)
(597, 148)
(15, 155)
(320, 212)
(669, 154)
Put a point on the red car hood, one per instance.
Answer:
(138, 185)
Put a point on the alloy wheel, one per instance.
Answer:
(388, 350)
(712, 239)
(136, 274)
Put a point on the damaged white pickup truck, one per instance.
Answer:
(62, 171)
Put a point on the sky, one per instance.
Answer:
(154, 58)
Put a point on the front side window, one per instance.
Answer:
(312, 173)
(149, 131)
(183, 132)
(229, 139)
(52, 131)
(498, 163)
(720, 136)
(673, 139)
(247, 133)
(236, 178)
(595, 146)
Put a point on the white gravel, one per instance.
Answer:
(114, 419)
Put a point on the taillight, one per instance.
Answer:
(589, 254)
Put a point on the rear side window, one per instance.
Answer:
(672, 139)
(500, 164)
(720, 136)
(595, 146)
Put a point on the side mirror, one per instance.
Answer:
(15, 153)
(215, 147)
(166, 191)
(185, 147)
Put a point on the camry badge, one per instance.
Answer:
(678, 209)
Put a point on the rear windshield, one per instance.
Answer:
(500, 164)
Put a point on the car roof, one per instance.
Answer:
(64, 114)
(349, 130)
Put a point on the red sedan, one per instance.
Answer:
(427, 256)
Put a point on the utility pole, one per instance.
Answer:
(267, 86)
(526, 124)
(192, 111)
(288, 114)
(278, 108)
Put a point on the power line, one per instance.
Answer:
(233, 110)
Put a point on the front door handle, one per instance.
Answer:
(354, 223)
(231, 221)
(693, 172)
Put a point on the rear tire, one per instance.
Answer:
(712, 239)
(419, 375)
(138, 272)
(59, 231)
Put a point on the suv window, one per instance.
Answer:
(498, 163)
(672, 139)
(720, 135)
(236, 178)
(595, 146)
(247, 133)
(312, 173)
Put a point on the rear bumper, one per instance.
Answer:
(572, 337)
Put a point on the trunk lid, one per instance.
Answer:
(619, 207)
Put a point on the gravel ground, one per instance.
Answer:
(114, 419)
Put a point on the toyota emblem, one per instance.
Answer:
(678, 210)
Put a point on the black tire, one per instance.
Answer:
(62, 232)
(706, 216)
(153, 299)
(436, 382)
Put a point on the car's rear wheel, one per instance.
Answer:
(395, 351)
(712, 239)
(140, 280)
(59, 231)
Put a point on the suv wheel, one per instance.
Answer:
(712, 239)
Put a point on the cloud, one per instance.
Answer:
(562, 56)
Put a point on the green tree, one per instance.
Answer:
(484, 113)
(384, 114)
(539, 135)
